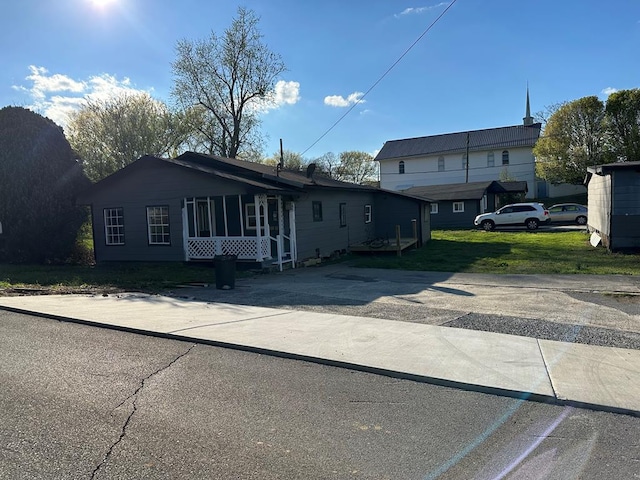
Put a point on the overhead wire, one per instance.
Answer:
(375, 84)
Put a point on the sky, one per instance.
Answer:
(359, 72)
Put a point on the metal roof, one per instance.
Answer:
(490, 138)
(465, 191)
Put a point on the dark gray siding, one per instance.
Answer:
(447, 218)
(625, 218)
(164, 184)
(391, 210)
(328, 236)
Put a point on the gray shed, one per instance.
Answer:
(614, 204)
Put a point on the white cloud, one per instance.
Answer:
(58, 95)
(340, 101)
(609, 90)
(419, 10)
(284, 93)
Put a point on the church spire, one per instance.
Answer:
(528, 119)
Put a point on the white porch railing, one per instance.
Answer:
(246, 248)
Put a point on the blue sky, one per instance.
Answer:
(470, 71)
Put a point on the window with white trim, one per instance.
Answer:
(158, 225)
(505, 157)
(114, 226)
(491, 159)
(441, 164)
(458, 207)
(401, 167)
(367, 213)
(250, 216)
(434, 208)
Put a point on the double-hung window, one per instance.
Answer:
(158, 225)
(114, 226)
(367, 213)
(458, 207)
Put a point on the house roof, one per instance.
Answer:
(490, 138)
(259, 176)
(603, 169)
(465, 191)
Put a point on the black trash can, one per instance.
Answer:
(225, 266)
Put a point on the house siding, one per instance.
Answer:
(327, 236)
(390, 211)
(423, 170)
(447, 218)
(164, 184)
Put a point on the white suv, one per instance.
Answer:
(529, 215)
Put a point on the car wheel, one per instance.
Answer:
(488, 225)
(531, 224)
(581, 220)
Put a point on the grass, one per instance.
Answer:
(150, 277)
(502, 252)
(519, 252)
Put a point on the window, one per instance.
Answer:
(458, 207)
(441, 164)
(401, 166)
(158, 225)
(505, 157)
(114, 226)
(343, 214)
(491, 160)
(367, 214)
(317, 211)
(464, 161)
(250, 216)
(434, 208)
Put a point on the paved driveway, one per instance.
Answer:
(607, 302)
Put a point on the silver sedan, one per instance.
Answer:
(568, 213)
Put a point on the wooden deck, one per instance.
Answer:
(390, 245)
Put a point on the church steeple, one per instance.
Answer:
(528, 119)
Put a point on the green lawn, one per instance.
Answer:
(151, 277)
(449, 251)
(548, 252)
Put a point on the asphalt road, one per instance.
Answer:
(79, 402)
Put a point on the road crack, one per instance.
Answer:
(134, 395)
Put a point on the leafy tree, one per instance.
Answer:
(574, 138)
(291, 160)
(39, 179)
(328, 163)
(110, 134)
(224, 79)
(623, 119)
(356, 167)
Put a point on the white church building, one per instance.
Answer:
(503, 153)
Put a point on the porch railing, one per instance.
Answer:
(246, 248)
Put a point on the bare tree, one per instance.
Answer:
(225, 78)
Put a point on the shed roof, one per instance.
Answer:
(603, 169)
(490, 138)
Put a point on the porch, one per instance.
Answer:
(255, 228)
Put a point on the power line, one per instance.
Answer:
(382, 77)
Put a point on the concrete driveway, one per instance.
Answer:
(607, 301)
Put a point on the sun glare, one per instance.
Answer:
(102, 3)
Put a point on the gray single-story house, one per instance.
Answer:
(195, 207)
(614, 204)
(456, 205)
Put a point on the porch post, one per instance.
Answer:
(279, 241)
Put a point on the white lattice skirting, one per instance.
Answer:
(246, 248)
